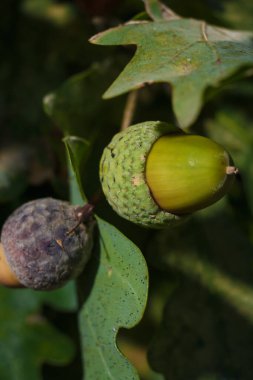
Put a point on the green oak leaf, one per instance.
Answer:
(189, 54)
(77, 151)
(27, 340)
(70, 105)
(117, 299)
(77, 107)
(112, 291)
(158, 11)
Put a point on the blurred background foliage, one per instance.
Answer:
(198, 324)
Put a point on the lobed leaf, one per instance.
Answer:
(117, 299)
(188, 54)
(117, 281)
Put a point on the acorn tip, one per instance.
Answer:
(232, 170)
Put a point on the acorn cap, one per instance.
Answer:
(123, 178)
(154, 174)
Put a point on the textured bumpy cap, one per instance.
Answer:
(122, 174)
(41, 246)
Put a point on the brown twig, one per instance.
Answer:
(231, 170)
(129, 110)
(85, 212)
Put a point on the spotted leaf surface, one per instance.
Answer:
(189, 54)
(112, 291)
(117, 299)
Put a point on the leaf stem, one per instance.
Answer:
(129, 109)
(231, 170)
(84, 213)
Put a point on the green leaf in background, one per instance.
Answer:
(27, 340)
(63, 299)
(58, 14)
(153, 8)
(234, 130)
(76, 107)
(158, 11)
(78, 110)
(238, 13)
(14, 168)
(117, 281)
(207, 324)
(77, 150)
(189, 54)
(117, 299)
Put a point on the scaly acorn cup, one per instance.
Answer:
(44, 245)
(154, 174)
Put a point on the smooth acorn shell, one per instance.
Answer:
(7, 276)
(186, 173)
(154, 174)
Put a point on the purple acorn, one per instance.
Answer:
(44, 244)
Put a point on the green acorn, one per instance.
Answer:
(154, 174)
